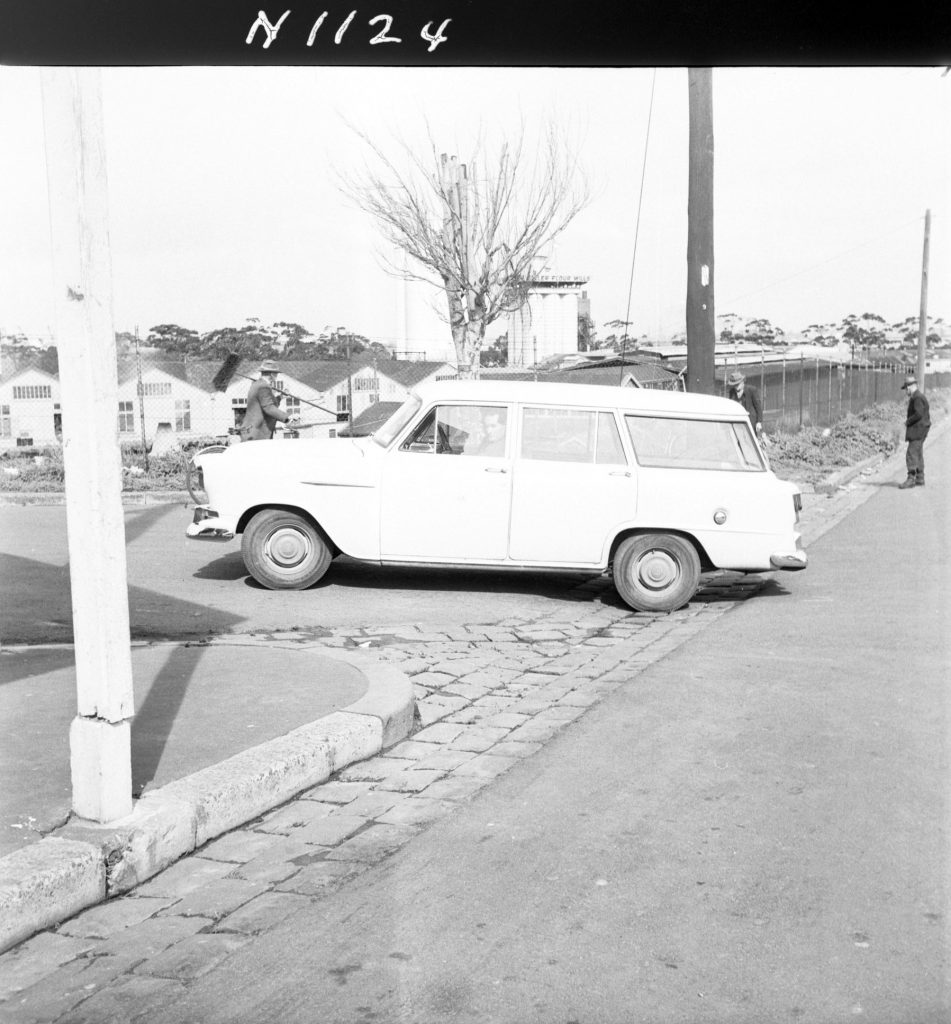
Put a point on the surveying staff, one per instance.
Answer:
(748, 397)
(917, 425)
(263, 409)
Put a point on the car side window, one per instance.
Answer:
(461, 430)
(692, 444)
(570, 435)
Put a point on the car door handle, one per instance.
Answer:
(620, 472)
(495, 469)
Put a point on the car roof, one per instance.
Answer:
(656, 401)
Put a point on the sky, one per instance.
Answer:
(224, 203)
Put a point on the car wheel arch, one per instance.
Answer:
(706, 565)
(251, 512)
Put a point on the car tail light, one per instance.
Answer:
(797, 504)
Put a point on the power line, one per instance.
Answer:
(816, 266)
(637, 222)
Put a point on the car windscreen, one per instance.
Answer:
(693, 444)
(385, 434)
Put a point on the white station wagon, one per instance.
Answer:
(654, 486)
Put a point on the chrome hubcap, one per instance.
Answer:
(287, 548)
(656, 570)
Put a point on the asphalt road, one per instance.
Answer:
(181, 588)
(753, 829)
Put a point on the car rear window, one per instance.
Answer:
(693, 444)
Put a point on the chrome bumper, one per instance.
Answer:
(208, 525)
(797, 560)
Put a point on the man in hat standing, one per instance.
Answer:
(263, 409)
(748, 397)
(917, 425)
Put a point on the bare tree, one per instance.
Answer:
(479, 230)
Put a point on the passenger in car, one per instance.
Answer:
(493, 434)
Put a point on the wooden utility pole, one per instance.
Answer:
(701, 324)
(923, 312)
(100, 735)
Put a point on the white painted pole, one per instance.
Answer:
(100, 747)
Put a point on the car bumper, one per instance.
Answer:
(209, 525)
(790, 562)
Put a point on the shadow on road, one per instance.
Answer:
(349, 573)
(37, 607)
(14, 669)
(141, 520)
(228, 567)
(724, 587)
(153, 721)
(354, 575)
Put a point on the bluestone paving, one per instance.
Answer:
(446, 760)
(373, 843)
(282, 860)
(292, 816)
(238, 847)
(262, 912)
(184, 876)
(321, 877)
(192, 957)
(217, 898)
(108, 919)
(331, 830)
(34, 959)
(131, 996)
(151, 936)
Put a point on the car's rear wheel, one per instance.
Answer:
(284, 551)
(656, 572)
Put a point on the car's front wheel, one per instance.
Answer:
(656, 572)
(284, 551)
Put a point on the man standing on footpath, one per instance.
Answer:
(917, 425)
(263, 409)
(749, 398)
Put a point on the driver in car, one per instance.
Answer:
(493, 434)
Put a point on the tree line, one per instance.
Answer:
(864, 331)
(254, 340)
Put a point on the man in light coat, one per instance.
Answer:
(263, 411)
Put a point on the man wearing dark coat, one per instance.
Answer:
(263, 411)
(917, 425)
(748, 397)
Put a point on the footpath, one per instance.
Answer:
(297, 815)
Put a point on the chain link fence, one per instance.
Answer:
(803, 392)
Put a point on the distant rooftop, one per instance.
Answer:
(572, 279)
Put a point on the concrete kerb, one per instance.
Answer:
(128, 498)
(843, 476)
(84, 863)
